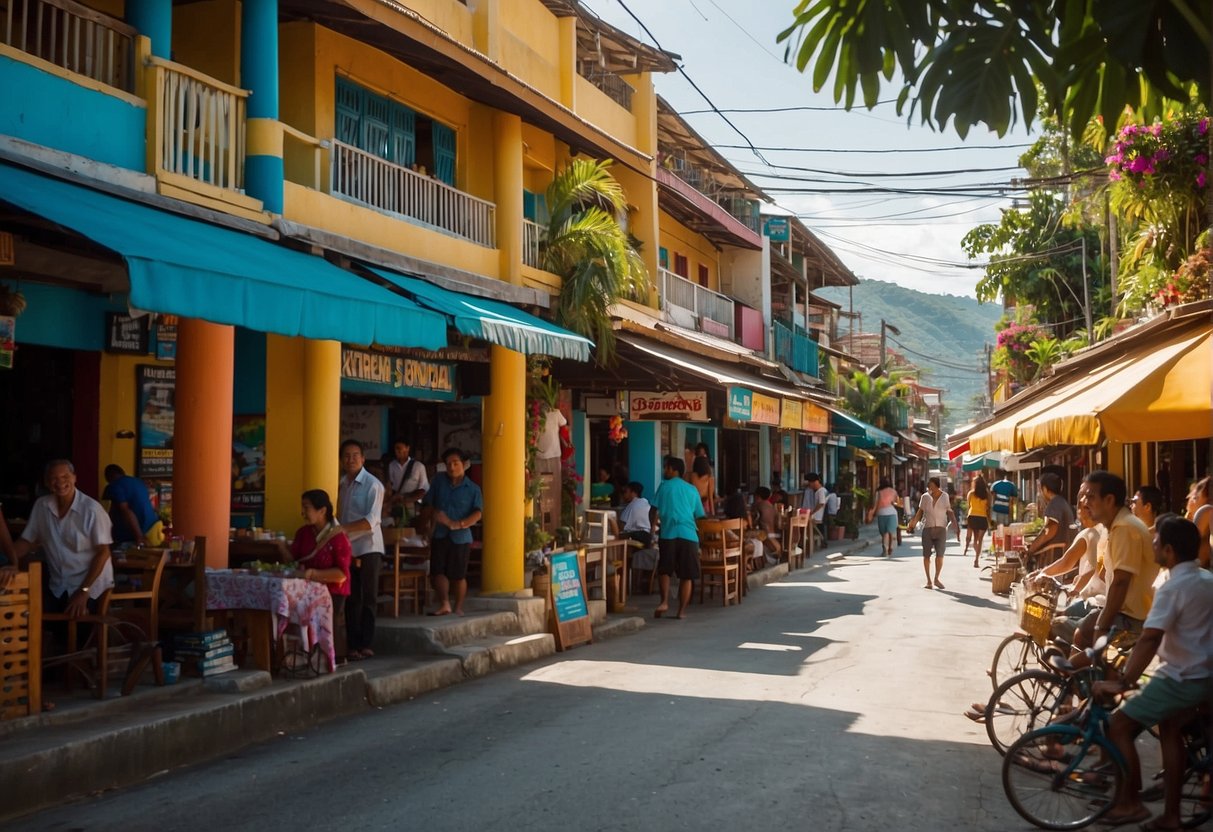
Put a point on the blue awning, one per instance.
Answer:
(858, 432)
(194, 269)
(493, 321)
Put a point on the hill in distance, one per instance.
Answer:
(936, 331)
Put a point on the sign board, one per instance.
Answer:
(248, 464)
(570, 610)
(367, 424)
(387, 374)
(814, 419)
(671, 406)
(791, 417)
(777, 228)
(741, 404)
(596, 406)
(166, 338)
(765, 410)
(8, 340)
(126, 334)
(155, 389)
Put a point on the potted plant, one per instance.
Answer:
(534, 542)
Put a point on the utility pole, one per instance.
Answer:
(885, 327)
(1086, 293)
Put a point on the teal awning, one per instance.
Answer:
(978, 463)
(858, 432)
(493, 321)
(194, 269)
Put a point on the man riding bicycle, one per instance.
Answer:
(1179, 630)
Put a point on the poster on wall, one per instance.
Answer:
(8, 341)
(248, 463)
(166, 338)
(367, 424)
(155, 388)
(459, 427)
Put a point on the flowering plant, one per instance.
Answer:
(1167, 156)
(1190, 281)
(1014, 342)
(617, 432)
(570, 485)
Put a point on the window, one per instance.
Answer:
(680, 265)
(392, 131)
(663, 257)
(703, 275)
(535, 207)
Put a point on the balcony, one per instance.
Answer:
(533, 235)
(795, 349)
(708, 311)
(614, 87)
(73, 37)
(367, 179)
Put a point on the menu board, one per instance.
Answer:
(126, 334)
(570, 611)
(156, 389)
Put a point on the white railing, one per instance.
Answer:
(533, 235)
(196, 125)
(366, 178)
(74, 37)
(703, 302)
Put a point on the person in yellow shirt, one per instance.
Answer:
(978, 520)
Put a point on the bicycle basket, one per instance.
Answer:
(1001, 579)
(1036, 617)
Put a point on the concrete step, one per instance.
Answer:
(399, 679)
(482, 656)
(618, 625)
(766, 576)
(434, 634)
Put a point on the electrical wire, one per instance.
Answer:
(898, 150)
(891, 174)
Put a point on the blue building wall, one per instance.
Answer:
(46, 109)
(55, 316)
(644, 454)
(248, 393)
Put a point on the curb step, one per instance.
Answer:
(618, 625)
(389, 681)
(435, 635)
(479, 657)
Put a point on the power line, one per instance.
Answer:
(937, 360)
(893, 174)
(899, 150)
(802, 108)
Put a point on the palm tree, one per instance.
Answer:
(588, 248)
(875, 400)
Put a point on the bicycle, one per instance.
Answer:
(1017, 651)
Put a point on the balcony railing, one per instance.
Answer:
(703, 303)
(794, 348)
(533, 235)
(615, 88)
(366, 178)
(74, 37)
(196, 125)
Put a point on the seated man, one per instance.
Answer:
(635, 515)
(1179, 630)
(1057, 532)
(766, 520)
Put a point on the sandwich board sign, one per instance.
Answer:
(570, 610)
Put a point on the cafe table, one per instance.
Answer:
(272, 602)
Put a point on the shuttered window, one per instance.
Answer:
(392, 131)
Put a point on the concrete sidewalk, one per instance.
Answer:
(85, 745)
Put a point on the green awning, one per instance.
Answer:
(858, 432)
(493, 321)
(186, 267)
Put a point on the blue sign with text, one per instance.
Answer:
(568, 597)
(741, 404)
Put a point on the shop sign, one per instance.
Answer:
(790, 418)
(126, 334)
(373, 371)
(166, 338)
(8, 341)
(156, 391)
(814, 419)
(596, 406)
(367, 424)
(741, 404)
(248, 465)
(837, 441)
(671, 406)
(568, 600)
(777, 228)
(765, 410)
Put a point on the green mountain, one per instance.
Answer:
(939, 333)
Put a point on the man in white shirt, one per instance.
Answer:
(935, 511)
(820, 498)
(75, 533)
(1179, 629)
(360, 512)
(406, 477)
(635, 516)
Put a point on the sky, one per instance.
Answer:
(729, 51)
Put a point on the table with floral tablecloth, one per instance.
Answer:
(288, 601)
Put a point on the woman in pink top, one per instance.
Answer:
(885, 512)
(322, 553)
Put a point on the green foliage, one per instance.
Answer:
(875, 400)
(588, 248)
(972, 61)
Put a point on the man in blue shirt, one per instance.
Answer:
(131, 511)
(458, 505)
(1003, 500)
(677, 505)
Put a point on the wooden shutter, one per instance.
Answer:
(348, 128)
(377, 125)
(444, 152)
(404, 135)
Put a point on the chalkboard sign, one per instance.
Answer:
(126, 334)
(570, 611)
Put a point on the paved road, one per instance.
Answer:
(828, 701)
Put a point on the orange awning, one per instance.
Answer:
(1163, 395)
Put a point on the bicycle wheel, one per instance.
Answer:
(1012, 656)
(1196, 796)
(1023, 702)
(1054, 779)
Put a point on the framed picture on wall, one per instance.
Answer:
(155, 389)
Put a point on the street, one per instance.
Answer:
(829, 701)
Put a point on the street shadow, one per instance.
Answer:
(975, 601)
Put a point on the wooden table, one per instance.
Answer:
(269, 604)
(616, 551)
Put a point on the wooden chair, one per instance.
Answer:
(721, 561)
(405, 575)
(796, 539)
(136, 593)
(21, 645)
(183, 594)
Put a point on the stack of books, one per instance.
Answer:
(206, 654)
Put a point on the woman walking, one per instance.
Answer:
(979, 517)
(885, 512)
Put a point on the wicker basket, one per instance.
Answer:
(1001, 579)
(1036, 617)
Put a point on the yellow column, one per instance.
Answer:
(507, 187)
(321, 415)
(202, 436)
(486, 25)
(568, 61)
(642, 190)
(503, 445)
(284, 408)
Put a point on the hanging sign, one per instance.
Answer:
(741, 404)
(8, 341)
(814, 419)
(777, 228)
(791, 417)
(126, 334)
(765, 410)
(673, 406)
(156, 391)
(373, 371)
(570, 611)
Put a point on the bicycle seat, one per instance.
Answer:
(1059, 662)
